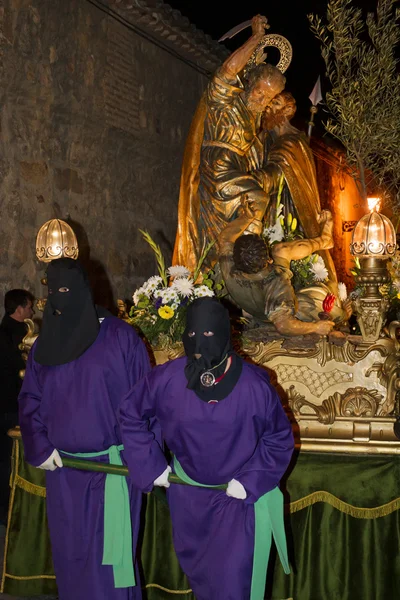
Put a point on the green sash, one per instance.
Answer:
(268, 514)
(117, 548)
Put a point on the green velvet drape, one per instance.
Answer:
(163, 576)
(343, 526)
(339, 557)
(28, 567)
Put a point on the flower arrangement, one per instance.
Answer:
(159, 305)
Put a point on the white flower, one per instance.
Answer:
(319, 270)
(183, 286)
(202, 291)
(175, 306)
(396, 284)
(279, 211)
(152, 284)
(178, 271)
(167, 295)
(342, 291)
(136, 296)
(170, 297)
(275, 233)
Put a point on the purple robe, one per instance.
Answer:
(246, 436)
(73, 407)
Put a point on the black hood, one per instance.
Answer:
(70, 320)
(206, 316)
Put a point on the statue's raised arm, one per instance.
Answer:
(238, 60)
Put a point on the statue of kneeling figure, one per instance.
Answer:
(258, 276)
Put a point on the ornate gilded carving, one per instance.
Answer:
(317, 383)
(371, 314)
(388, 372)
(27, 342)
(323, 351)
(355, 402)
(123, 311)
(351, 419)
(41, 303)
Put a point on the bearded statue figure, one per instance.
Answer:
(287, 149)
(224, 159)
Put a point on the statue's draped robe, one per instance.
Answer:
(73, 407)
(292, 154)
(245, 436)
(223, 161)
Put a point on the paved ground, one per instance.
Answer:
(6, 596)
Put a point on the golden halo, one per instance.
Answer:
(272, 40)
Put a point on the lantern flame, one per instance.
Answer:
(374, 204)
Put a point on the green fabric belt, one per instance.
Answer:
(117, 548)
(268, 515)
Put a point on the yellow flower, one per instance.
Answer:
(166, 312)
(398, 295)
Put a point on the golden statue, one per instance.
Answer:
(224, 155)
(227, 157)
(287, 148)
(258, 276)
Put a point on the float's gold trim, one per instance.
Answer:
(29, 487)
(348, 509)
(160, 587)
(10, 508)
(27, 577)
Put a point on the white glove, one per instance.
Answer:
(52, 462)
(162, 480)
(236, 490)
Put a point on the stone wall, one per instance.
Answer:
(93, 124)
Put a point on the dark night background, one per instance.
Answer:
(287, 18)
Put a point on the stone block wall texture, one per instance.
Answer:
(93, 124)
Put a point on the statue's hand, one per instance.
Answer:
(324, 327)
(252, 208)
(247, 207)
(325, 216)
(259, 24)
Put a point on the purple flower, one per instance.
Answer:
(184, 301)
(157, 303)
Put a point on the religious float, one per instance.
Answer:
(333, 356)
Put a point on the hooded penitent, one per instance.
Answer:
(70, 320)
(208, 333)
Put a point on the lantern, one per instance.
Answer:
(373, 242)
(56, 239)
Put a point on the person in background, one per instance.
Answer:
(18, 306)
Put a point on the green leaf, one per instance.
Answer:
(159, 256)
